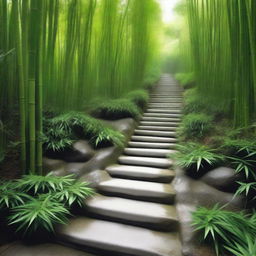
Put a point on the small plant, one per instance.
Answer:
(195, 125)
(185, 79)
(139, 97)
(38, 202)
(194, 154)
(228, 231)
(9, 196)
(38, 213)
(62, 130)
(115, 109)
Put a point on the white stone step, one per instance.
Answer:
(164, 110)
(160, 119)
(153, 139)
(118, 239)
(138, 144)
(178, 116)
(147, 214)
(155, 133)
(145, 161)
(159, 123)
(141, 173)
(152, 152)
(139, 190)
(156, 128)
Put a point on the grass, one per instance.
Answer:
(185, 79)
(116, 109)
(195, 125)
(39, 202)
(139, 97)
(228, 231)
(62, 130)
(192, 154)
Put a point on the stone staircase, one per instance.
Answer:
(134, 213)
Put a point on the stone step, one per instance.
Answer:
(165, 105)
(158, 123)
(138, 190)
(118, 239)
(153, 139)
(166, 115)
(165, 100)
(141, 173)
(137, 213)
(160, 119)
(153, 152)
(156, 128)
(145, 161)
(164, 110)
(138, 144)
(154, 133)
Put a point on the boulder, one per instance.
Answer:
(81, 151)
(222, 178)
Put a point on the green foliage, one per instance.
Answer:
(232, 145)
(232, 231)
(195, 125)
(115, 109)
(185, 79)
(193, 102)
(61, 131)
(39, 202)
(75, 192)
(9, 197)
(139, 97)
(194, 154)
(38, 213)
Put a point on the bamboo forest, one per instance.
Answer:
(127, 127)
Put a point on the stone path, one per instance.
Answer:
(134, 212)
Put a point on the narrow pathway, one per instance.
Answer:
(134, 212)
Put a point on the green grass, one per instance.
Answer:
(61, 131)
(185, 79)
(39, 202)
(139, 97)
(192, 154)
(116, 109)
(228, 231)
(195, 125)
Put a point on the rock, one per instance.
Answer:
(95, 177)
(81, 151)
(191, 194)
(222, 178)
(124, 125)
(50, 164)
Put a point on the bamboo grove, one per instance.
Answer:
(60, 54)
(222, 37)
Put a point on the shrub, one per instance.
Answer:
(38, 213)
(195, 125)
(116, 109)
(185, 79)
(61, 131)
(230, 231)
(195, 155)
(139, 97)
(38, 202)
(193, 102)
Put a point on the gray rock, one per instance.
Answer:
(222, 178)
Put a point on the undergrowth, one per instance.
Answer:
(39, 202)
